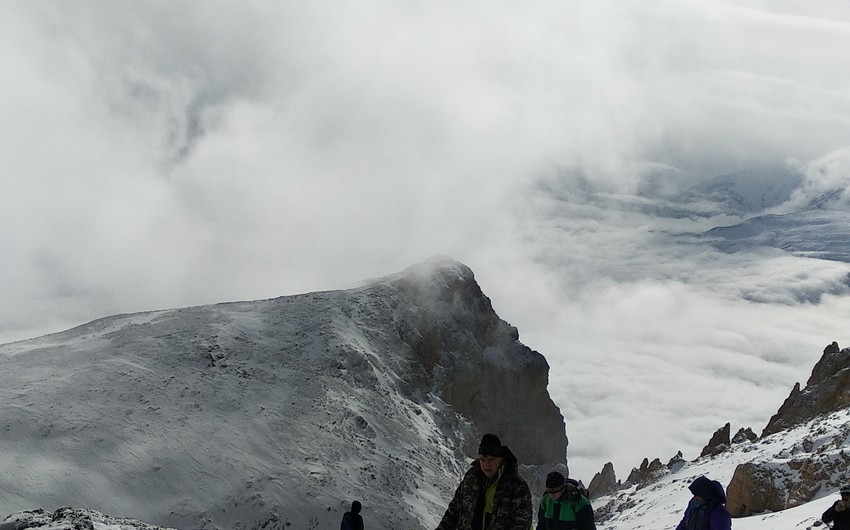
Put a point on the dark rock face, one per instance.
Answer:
(604, 482)
(827, 390)
(744, 435)
(646, 472)
(475, 362)
(752, 489)
(719, 442)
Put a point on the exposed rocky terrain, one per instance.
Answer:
(802, 454)
(72, 519)
(276, 413)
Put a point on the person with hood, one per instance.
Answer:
(839, 513)
(352, 520)
(491, 495)
(707, 509)
(563, 507)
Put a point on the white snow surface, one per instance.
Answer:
(125, 426)
(134, 428)
(658, 504)
(661, 503)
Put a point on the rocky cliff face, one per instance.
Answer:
(827, 390)
(276, 413)
(474, 361)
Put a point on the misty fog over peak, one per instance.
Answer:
(166, 155)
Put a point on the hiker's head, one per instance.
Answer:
(555, 484)
(702, 488)
(845, 492)
(490, 454)
(356, 507)
(490, 445)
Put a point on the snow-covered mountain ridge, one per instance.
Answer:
(67, 518)
(783, 480)
(275, 413)
(660, 502)
(802, 211)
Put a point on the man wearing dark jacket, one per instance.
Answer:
(707, 509)
(491, 495)
(563, 507)
(838, 514)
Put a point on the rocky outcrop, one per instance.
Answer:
(786, 482)
(71, 519)
(604, 482)
(753, 489)
(646, 472)
(827, 390)
(719, 442)
(806, 462)
(744, 435)
(676, 461)
(778, 485)
(475, 362)
(815, 464)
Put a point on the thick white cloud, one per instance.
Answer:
(169, 154)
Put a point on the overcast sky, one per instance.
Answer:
(164, 154)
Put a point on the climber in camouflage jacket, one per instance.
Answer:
(492, 495)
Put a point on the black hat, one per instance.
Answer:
(356, 507)
(555, 482)
(845, 490)
(490, 445)
(703, 487)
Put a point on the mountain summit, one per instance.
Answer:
(276, 413)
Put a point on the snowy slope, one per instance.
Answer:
(276, 413)
(264, 414)
(744, 192)
(803, 214)
(822, 234)
(661, 503)
(67, 518)
(157, 434)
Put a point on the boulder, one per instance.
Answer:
(780, 484)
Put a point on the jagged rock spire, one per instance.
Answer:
(827, 390)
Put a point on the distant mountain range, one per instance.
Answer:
(817, 226)
(744, 192)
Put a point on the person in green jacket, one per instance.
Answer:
(563, 507)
